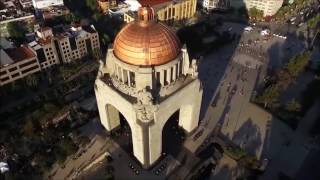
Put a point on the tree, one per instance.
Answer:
(298, 64)
(269, 96)
(28, 128)
(255, 13)
(32, 80)
(293, 106)
(105, 39)
(17, 30)
(284, 79)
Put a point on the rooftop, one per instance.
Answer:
(20, 53)
(12, 9)
(152, 2)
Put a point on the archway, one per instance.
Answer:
(122, 131)
(173, 135)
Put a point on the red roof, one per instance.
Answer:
(20, 53)
(44, 41)
(152, 2)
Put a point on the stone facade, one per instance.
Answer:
(147, 96)
(172, 10)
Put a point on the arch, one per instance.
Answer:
(172, 133)
(113, 116)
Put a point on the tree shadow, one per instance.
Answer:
(248, 137)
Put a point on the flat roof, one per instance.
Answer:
(152, 2)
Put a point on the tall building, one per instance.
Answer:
(269, 7)
(147, 76)
(45, 48)
(77, 43)
(105, 5)
(48, 49)
(16, 63)
(168, 9)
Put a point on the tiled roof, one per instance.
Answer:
(20, 53)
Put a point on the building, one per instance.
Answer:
(129, 16)
(77, 42)
(13, 11)
(215, 4)
(25, 3)
(105, 5)
(42, 4)
(269, 7)
(45, 48)
(17, 63)
(167, 10)
(147, 76)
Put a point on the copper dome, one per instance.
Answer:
(146, 42)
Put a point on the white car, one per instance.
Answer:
(248, 29)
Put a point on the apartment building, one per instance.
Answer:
(16, 63)
(42, 4)
(26, 3)
(167, 10)
(269, 7)
(45, 48)
(105, 5)
(77, 43)
(215, 4)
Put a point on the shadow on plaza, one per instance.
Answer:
(248, 137)
(206, 40)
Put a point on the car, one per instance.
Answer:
(248, 29)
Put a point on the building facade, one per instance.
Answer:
(77, 43)
(16, 63)
(215, 4)
(42, 4)
(167, 10)
(48, 49)
(105, 5)
(147, 76)
(269, 7)
(45, 48)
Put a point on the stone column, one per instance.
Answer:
(162, 77)
(155, 142)
(178, 69)
(123, 75)
(118, 73)
(109, 115)
(168, 75)
(129, 78)
(174, 73)
(189, 113)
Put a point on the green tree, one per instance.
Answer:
(17, 30)
(32, 80)
(255, 13)
(269, 96)
(298, 64)
(92, 4)
(293, 106)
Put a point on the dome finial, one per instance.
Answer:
(145, 15)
